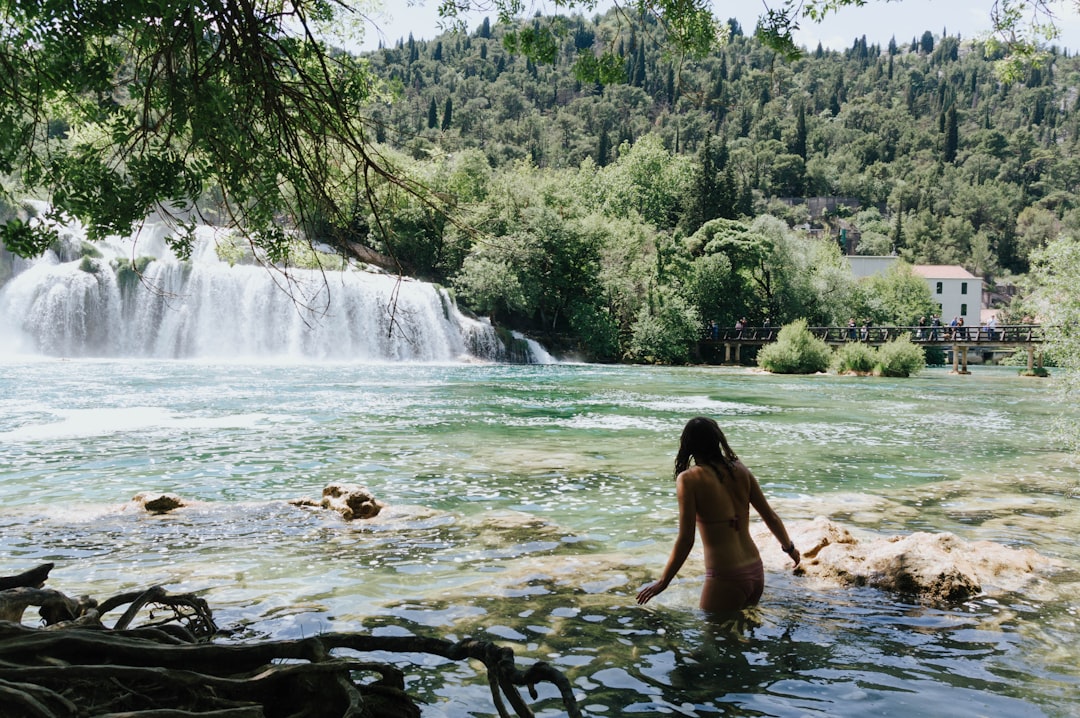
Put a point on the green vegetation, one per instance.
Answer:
(615, 220)
(798, 351)
(1055, 276)
(900, 358)
(854, 358)
(129, 274)
(795, 351)
(589, 209)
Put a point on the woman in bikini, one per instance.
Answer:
(716, 494)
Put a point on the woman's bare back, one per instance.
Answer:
(722, 501)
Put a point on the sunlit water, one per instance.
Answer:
(527, 504)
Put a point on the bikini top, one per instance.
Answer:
(734, 521)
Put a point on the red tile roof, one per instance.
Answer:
(942, 271)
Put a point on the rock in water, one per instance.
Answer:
(158, 503)
(352, 501)
(933, 567)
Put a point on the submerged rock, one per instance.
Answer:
(157, 503)
(936, 567)
(352, 501)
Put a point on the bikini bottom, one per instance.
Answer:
(742, 586)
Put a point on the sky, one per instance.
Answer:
(879, 21)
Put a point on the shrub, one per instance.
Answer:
(854, 358)
(900, 357)
(795, 351)
(666, 334)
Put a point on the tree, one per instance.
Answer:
(898, 297)
(1055, 274)
(244, 115)
(666, 329)
(244, 102)
(799, 146)
(952, 136)
(646, 179)
(448, 112)
(432, 115)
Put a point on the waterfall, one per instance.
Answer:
(83, 301)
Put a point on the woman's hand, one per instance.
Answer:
(645, 594)
(794, 555)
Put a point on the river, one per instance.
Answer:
(527, 504)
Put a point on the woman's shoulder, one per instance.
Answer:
(693, 473)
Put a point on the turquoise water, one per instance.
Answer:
(527, 505)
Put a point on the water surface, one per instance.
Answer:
(527, 504)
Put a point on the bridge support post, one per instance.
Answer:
(731, 352)
(959, 359)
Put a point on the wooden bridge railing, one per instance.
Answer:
(1003, 335)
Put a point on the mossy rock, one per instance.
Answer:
(128, 274)
(90, 265)
(88, 250)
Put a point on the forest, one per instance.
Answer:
(585, 180)
(618, 219)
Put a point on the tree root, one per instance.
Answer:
(167, 667)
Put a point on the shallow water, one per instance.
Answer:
(527, 504)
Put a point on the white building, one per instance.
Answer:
(865, 265)
(956, 290)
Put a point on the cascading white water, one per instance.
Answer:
(77, 306)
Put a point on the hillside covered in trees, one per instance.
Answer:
(621, 217)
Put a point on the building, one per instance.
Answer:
(865, 266)
(957, 291)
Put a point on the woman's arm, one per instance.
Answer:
(683, 542)
(772, 519)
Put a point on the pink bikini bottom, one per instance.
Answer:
(746, 582)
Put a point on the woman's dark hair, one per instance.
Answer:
(703, 440)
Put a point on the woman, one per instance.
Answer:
(716, 494)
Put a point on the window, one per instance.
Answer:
(963, 287)
(939, 287)
(963, 310)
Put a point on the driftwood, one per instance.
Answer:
(75, 666)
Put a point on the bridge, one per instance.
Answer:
(958, 340)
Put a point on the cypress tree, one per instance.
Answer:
(432, 115)
(952, 135)
(746, 201)
(639, 67)
(448, 112)
(800, 133)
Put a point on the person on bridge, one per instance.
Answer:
(716, 494)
